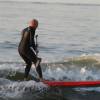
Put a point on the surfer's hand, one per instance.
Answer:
(36, 45)
(37, 51)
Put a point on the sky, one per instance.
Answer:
(63, 1)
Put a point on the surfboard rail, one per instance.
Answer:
(73, 83)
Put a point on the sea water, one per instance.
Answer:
(69, 45)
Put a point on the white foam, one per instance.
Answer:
(16, 89)
(83, 70)
(62, 71)
(74, 73)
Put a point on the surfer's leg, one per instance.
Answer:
(27, 69)
(28, 65)
(39, 71)
(37, 62)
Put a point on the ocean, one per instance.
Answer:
(69, 45)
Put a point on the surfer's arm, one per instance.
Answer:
(32, 43)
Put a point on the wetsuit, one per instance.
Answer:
(27, 42)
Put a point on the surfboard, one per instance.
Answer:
(72, 83)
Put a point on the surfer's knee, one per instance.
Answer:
(28, 64)
(27, 69)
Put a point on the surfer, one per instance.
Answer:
(28, 49)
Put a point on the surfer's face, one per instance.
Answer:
(33, 23)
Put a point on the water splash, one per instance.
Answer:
(17, 89)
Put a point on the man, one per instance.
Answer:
(27, 49)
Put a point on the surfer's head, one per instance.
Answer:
(33, 23)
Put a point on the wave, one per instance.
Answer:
(27, 90)
(87, 67)
(17, 89)
(84, 67)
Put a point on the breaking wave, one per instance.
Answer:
(85, 67)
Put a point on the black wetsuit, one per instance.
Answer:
(25, 51)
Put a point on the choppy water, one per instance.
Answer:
(69, 37)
